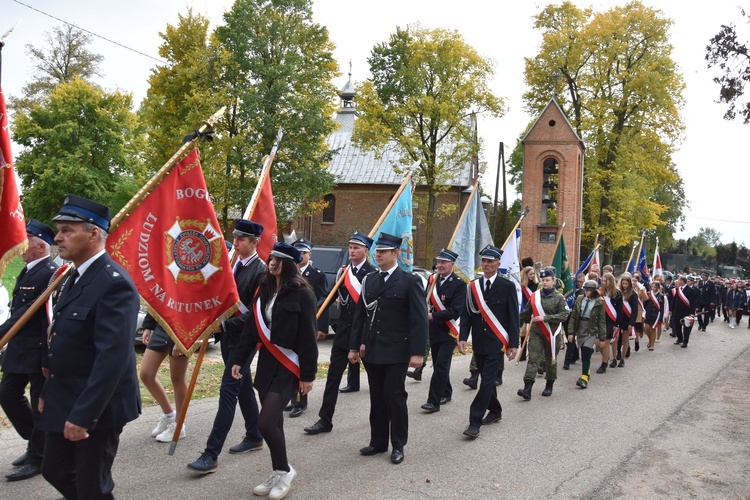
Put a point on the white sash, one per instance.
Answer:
(285, 356)
(353, 286)
(487, 314)
(682, 297)
(610, 309)
(452, 324)
(536, 307)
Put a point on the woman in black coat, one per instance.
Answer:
(283, 321)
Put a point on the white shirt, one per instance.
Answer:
(33, 263)
(83, 267)
(389, 271)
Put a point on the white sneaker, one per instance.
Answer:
(164, 422)
(283, 484)
(264, 488)
(168, 434)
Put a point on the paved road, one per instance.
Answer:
(673, 422)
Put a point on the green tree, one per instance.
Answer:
(80, 139)
(732, 56)
(63, 58)
(276, 71)
(614, 76)
(426, 84)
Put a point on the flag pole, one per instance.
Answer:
(656, 252)
(183, 411)
(523, 214)
(557, 245)
(373, 232)
(635, 244)
(42, 299)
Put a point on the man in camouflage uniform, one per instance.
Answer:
(554, 311)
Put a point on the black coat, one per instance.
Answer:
(25, 352)
(708, 293)
(319, 284)
(247, 280)
(347, 307)
(452, 294)
(502, 300)
(92, 378)
(396, 328)
(677, 306)
(292, 327)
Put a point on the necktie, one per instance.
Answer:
(237, 269)
(384, 274)
(487, 285)
(73, 277)
(585, 307)
(22, 273)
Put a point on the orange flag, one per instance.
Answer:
(265, 214)
(172, 246)
(12, 222)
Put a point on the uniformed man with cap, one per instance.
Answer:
(546, 310)
(22, 360)
(491, 317)
(248, 271)
(92, 388)
(682, 303)
(447, 301)
(348, 297)
(319, 283)
(389, 333)
(706, 303)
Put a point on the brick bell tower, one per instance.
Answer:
(552, 187)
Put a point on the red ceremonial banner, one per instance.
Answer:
(172, 246)
(265, 215)
(12, 221)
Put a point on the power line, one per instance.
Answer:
(92, 33)
(718, 220)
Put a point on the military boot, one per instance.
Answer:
(525, 393)
(472, 381)
(499, 378)
(548, 388)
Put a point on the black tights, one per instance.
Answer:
(271, 426)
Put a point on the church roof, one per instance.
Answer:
(553, 102)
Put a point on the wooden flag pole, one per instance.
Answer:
(557, 245)
(526, 211)
(42, 299)
(635, 244)
(373, 232)
(183, 411)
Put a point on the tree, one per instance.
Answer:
(732, 56)
(80, 139)
(614, 76)
(276, 71)
(63, 59)
(425, 86)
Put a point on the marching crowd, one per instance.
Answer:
(80, 367)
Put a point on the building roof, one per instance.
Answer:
(554, 102)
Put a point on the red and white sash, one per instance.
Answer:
(626, 307)
(488, 315)
(452, 324)
(286, 357)
(682, 297)
(536, 307)
(352, 284)
(654, 300)
(609, 308)
(527, 293)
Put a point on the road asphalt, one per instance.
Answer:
(672, 423)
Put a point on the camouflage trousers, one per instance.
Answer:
(539, 349)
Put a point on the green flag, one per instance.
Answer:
(560, 263)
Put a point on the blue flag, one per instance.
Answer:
(642, 267)
(585, 265)
(398, 222)
(472, 235)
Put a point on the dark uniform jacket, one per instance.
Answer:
(25, 352)
(319, 284)
(92, 378)
(247, 279)
(347, 307)
(452, 294)
(677, 306)
(708, 293)
(395, 328)
(503, 302)
(292, 327)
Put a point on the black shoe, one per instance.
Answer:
(20, 460)
(349, 388)
(492, 418)
(619, 355)
(204, 464)
(684, 345)
(637, 348)
(622, 363)
(602, 368)
(566, 366)
(548, 388)
(498, 382)
(525, 393)
(289, 407)
(678, 342)
(472, 431)
(582, 383)
(416, 374)
(627, 354)
(472, 381)
(613, 363)
(430, 408)
(297, 411)
(368, 451)
(397, 456)
(26, 471)
(318, 427)
(445, 399)
(246, 445)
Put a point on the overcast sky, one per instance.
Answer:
(709, 158)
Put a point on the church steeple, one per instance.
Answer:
(347, 94)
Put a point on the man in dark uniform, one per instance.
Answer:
(91, 390)
(706, 301)
(248, 270)
(22, 361)
(348, 297)
(447, 302)
(319, 283)
(491, 317)
(389, 333)
(683, 301)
